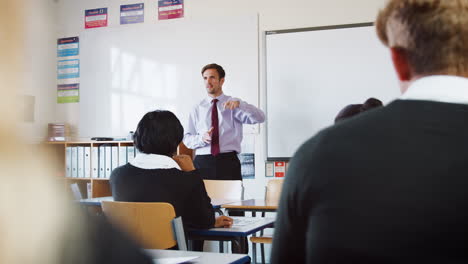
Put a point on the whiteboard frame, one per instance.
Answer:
(265, 72)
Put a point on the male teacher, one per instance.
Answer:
(214, 128)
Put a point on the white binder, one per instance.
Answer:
(80, 166)
(102, 162)
(68, 165)
(130, 153)
(108, 161)
(122, 155)
(115, 157)
(95, 162)
(87, 162)
(74, 162)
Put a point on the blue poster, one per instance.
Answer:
(131, 14)
(68, 69)
(67, 47)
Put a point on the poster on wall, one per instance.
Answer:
(247, 161)
(68, 70)
(95, 18)
(169, 9)
(280, 169)
(131, 14)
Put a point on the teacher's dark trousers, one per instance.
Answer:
(224, 166)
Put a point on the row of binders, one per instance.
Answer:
(96, 162)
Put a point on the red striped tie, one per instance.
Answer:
(215, 133)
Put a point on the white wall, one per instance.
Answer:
(40, 77)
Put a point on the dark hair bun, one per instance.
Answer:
(354, 109)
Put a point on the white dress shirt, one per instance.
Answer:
(230, 124)
(153, 161)
(439, 88)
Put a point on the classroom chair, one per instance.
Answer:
(272, 194)
(224, 190)
(151, 224)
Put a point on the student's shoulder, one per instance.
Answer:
(123, 172)
(190, 178)
(124, 169)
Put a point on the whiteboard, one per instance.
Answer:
(129, 70)
(313, 74)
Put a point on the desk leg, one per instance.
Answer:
(197, 245)
(221, 246)
(239, 245)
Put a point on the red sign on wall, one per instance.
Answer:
(169, 9)
(96, 18)
(280, 168)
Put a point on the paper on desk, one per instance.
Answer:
(175, 260)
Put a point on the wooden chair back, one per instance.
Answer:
(219, 189)
(273, 190)
(148, 223)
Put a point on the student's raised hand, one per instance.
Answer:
(185, 162)
(223, 221)
(231, 105)
(207, 136)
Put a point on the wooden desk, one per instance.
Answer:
(217, 203)
(203, 257)
(235, 234)
(252, 205)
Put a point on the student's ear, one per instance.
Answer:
(401, 64)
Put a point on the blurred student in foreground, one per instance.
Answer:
(390, 186)
(38, 222)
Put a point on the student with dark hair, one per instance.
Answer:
(154, 176)
(354, 109)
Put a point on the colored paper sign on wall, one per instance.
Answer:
(67, 47)
(269, 169)
(68, 93)
(247, 161)
(131, 14)
(169, 9)
(96, 18)
(68, 70)
(280, 168)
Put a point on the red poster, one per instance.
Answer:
(280, 168)
(96, 18)
(169, 9)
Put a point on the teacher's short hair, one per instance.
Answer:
(158, 132)
(216, 67)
